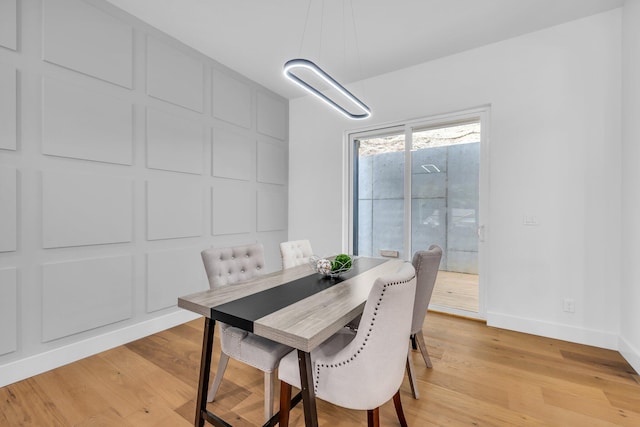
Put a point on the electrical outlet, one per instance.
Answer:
(568, 305)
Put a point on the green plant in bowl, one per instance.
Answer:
(341, 262)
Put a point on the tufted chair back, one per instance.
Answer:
(426, 264)
(375, 360)
(226, 266)
(295, 252)
(366, 370)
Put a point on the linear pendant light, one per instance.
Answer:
(293, 64)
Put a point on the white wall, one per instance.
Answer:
(123, 154)
(554, 153)
(630, 325)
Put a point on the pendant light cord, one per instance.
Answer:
(344, 37)
(304, 31)
(355, 33)
(321, 36)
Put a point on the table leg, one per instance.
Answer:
(308, 394)
(205, 368)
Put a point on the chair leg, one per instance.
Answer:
(398, 404)
(222, 365)
(373, 417)
(285, 404)
(414, 345)
(269, 388)
(423, 349)
(412, 377)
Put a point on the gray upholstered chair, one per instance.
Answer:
(365, 369)
(225, 267)
(426, 264)
(295, 252)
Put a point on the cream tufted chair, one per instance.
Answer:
(426, 264)
(365, 369)
(295, 252)
(226, 266)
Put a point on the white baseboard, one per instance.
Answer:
(559, 331)
(631, 354)
(456, 312)
(39, 363)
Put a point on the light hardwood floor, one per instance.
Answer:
(481, 376)
(456, 290)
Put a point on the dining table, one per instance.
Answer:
(295, 306)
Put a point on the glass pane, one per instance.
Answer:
(380, 195)
(445, 194)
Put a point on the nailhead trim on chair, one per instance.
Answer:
(364, 343)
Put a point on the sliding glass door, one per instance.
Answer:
(445, 199)
(380, 197)
(419, 184)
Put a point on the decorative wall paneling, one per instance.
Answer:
(173, 143)
(8, 310)
(272, 209)
(84, 124)
(165, 269)
(85, 294)
(231, 99)
(272, 116)
(271, 239)
(8, 209)
(232, 155)
(9, 24)
(174, 208)
(8, 106)
(233, 208)
(123, 154)
(272, 162)
(80, 210)
(81, 37)
(174, 76)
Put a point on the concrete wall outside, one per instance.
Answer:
(444, 204)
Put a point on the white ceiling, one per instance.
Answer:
(256, 37)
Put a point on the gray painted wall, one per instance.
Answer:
(123, 154)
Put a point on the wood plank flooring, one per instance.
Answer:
(456, 290)
(481, 376)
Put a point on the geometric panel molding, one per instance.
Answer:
(272, 116)
(174, 144)
(232, 155)
(272, 210)
(171, 274)
(272, 163)
(231, 99)
(82, 124)
(174, 76)
(8, 24)
(8, 310)
(85, 294)
(174, 208)
(83, 38)
(8, 107)
(8, 209)
(82, 210)
(233, 209)
(271, 242)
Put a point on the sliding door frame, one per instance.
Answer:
(349, 206)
